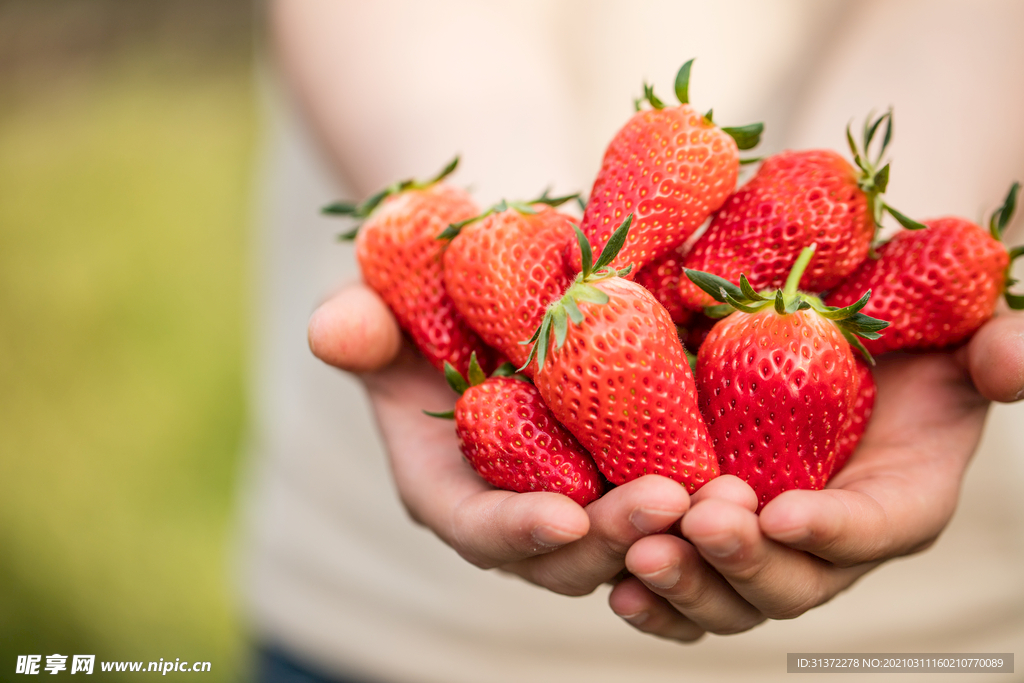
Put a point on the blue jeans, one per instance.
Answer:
(275, 666)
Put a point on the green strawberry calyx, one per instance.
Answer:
(874, 178)
(746, 137)
(850, 321)
(566, 309)
(997, 224)
(525, 208)
(476, 375)
(363, 210)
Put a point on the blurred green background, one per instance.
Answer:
(126, 147)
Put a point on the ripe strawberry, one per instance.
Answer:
(777, 381)
(939, 284)
(618, 378)
(857, 424)
(670, 167)
(513, 441)
(401, 260)
(796, 199)
(504, 269)
(661, 278)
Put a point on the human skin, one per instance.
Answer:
(724, 569)
(806, 546)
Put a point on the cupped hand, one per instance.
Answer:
(544, 537)
(733, 569)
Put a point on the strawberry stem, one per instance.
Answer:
(789, 290)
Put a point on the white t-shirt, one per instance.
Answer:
(332, 568)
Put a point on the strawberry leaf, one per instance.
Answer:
(683, 83)
(455, 379)
(746, 137)
(881, 179)
(746, 308)
(652, 98)
(748, 291)
(780, 302)
(614, 244)
(446, 415)
(573, 311)
(340, 209)
(855, 343)
(350, 235)
(833, 313)
(716, 287)
(476, 373)
(586, 254)
(542, 341)
(506, 369)
(854, 150)
(1001, 217)
(446, 171)
(589, 293)
(904, 220)
(560, 324)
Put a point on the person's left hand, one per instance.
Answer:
(732, 569)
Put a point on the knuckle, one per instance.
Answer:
(810, 597)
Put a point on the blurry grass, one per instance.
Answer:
(123, 215)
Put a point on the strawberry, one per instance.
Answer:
(795, 199)
(777, 382)
(513, 441)
(857, 423)
(670, 167)
(504, 268)
(939, 284)
(611, 367)
(401, 260)
(661, 278)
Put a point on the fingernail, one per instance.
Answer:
(635, 619)
(552, 537)
(663, 578)
(722, 546)
(649, 521)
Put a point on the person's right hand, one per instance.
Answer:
(543, 537)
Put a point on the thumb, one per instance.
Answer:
(354, 330)
(995, 358)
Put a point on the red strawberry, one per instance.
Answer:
(796, 199)
(697, 331)
(670, 167)
(400, 259)
(503, 270)
(661, 278)
(777, 381)
(857, 424)
(514, 442)
(937, 285)
(617, 377)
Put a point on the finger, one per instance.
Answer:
(673, 569)
(495, 528)
(649, 613)
(849, 526)
(441, 490)
(354, 330)
(780, 582)
(995, 358)
(618, 519)
(728, 487)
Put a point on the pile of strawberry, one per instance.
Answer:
(783, 299)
